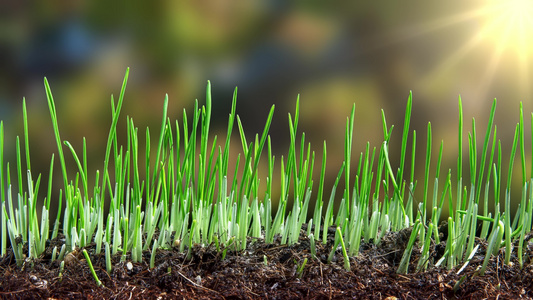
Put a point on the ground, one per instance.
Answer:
(267, 271)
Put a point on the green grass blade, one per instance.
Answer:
(511, 160)
(344, 254)
(261, 145)
(484, 152)
(26, 135)
(472, 150)
(80, 169)
(231, 119)
(53, 115)
(348, 141)
(319, 203)
(98, 282)
(112, 131)
(405, 135)
(19, 168)
(404, 263)
(522, 146)
(413, 154)
(426, 173)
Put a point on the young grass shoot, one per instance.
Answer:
(188, 195)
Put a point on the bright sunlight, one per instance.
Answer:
(510, 24)
(504, 33)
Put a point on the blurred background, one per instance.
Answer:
(331, 53)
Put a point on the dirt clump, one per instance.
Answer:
(266, 271)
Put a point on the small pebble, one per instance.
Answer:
(70, 259)
(38, 282)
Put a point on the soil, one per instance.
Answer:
(267, 271)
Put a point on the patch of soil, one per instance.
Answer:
(267, 271)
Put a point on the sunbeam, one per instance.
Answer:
(517, 29)
(503, 37)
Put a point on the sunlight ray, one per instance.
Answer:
(494, 62)
(426, 28)
(523, 64)
(460, 54)
(506, 27)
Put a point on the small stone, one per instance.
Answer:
(38, 282)
(70, 259)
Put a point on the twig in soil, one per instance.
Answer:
(330, 289)
(197, 285)
(276, 248)
(17, 292)
(379, 271)
(404, 277)
(383, 255)
(250, 291)
(321, 275)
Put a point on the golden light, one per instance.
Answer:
(503, 39)
(510, 25)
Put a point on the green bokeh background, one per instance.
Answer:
(331, 53)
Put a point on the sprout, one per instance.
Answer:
(98, 282)
(189, 193)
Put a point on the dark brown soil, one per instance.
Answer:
(267, 272)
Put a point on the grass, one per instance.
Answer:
(188, 195)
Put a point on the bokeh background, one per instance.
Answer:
(331, 53)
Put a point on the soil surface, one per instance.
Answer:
(267, 271)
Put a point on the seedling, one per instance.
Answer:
(300, 269)
(188, 195)
(98, 282)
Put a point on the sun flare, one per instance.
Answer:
(510, 24)
(502, 37)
